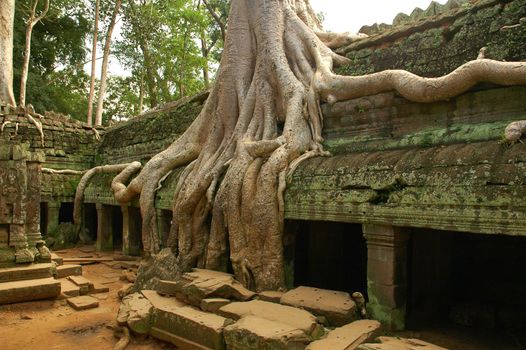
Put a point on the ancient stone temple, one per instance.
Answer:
(420, 206)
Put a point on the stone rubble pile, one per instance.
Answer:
(211, 310)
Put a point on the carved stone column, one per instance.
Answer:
(387, 274)
(53, 213)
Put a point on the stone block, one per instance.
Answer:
(348, 337)
(69, 270)
(252, 332)
(136, 311)
(193, 325)
(337, 307)
(84, 284)
(214, 304)
(57, 259)
(29, 272)
(392, 343)
(271, 296)
(69, 289)
(83, 302)
(27, 290)
(291, 316)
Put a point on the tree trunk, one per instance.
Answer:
(150, 75)
(31, 22)
(261, 119)
(93, 63)
(7, 17)
(105, 61)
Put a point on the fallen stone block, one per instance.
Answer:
(26, 272)
(69, 289)
(337, 307)
(214, 304)
(27, 290)
(69, 270)
(271, 296)
(392, 343)
(205, 284)
(348, 337)
(84, 284)
(83, 302)
(172, 323)
(252, 332)
(291, 316)
(159, 301)
(136, 312)
(97, 288)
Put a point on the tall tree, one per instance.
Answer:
(105, 61)
(33, 19)
(93, 63)
(7, 17)
(261, 119)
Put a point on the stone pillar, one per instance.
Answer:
(387, 274)
(104, 227)
(131, 231)
(34, 237)
(53, 213)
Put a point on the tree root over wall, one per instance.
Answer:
(261, 119)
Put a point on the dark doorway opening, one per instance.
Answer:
(135, 231)
(330, 255)
(90, 221)
(43, 218)
(116, 227)
(467, 280)
(65, 213)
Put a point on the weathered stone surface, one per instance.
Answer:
(69, 270)
(136, 311)
(69, 289)
(83, 302)
(28, 272)
(191, 324)
(338, 307)
(26, 290)
(159, 301)
(348, 337)
(84, 284)
(97, 288)
(291, 316)
(252, 332)
(204, 284)
(271, 296)
(214, 304)
(391, 343)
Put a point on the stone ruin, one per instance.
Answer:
(410, 188)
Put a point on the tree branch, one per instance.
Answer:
(216, 18)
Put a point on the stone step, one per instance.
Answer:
(27, 290)
(57, 259)
(84, 284)
(83, 302)
(26, 272)
(69, 289)
(337, 307)
(69, 270)
(348, 337)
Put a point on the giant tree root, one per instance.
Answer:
(514, 131)
(84, 182)
(262, 118)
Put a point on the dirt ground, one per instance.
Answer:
(52, 324)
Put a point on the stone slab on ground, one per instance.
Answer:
(196, 326)
(348, 337)
(271, 296)
(180, 343)
(214, 304)
(337, 307)
(394, 343)
(69, 270)
(26, 272)
(291, 316)
(252, 332)
(27, 290)
(83, 302)
(69, 289)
